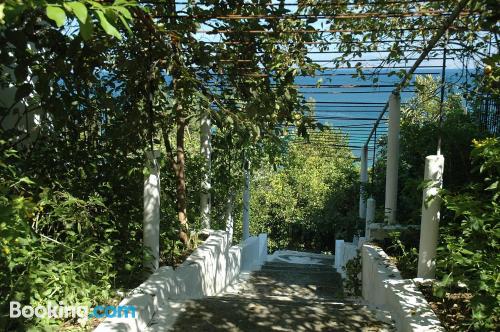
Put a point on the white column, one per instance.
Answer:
(429, 229)
(339, 254)
(206, 152)
(151, 217)
(391, 178)
(370, 216)
(246, 201)
(229, 216)
(363, 179)
(19, 118)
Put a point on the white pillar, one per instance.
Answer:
(229, 216)
(151, 217)
(429, 229)
(20, 118)
(246, 201)
(370, 216)
(339, 254)
(206, 152)
(363, 179)
(391, 178)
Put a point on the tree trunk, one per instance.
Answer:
(177, 163)
(181, 123)
(180, 174)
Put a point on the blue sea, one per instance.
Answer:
(353, 104)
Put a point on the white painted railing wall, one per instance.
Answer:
(344, 252)
(383, 287)
(207, 271)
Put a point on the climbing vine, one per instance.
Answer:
(88, 87)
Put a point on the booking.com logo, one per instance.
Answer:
(61, 310)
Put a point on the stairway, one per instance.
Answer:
(280, 297)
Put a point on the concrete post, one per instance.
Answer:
(370, 216)
(19, 117)
(229, 216)
(429, 229)
(206, 152)
(391, 178)
(339, 254)
(246, 202)
(363, 179)
(151, 216)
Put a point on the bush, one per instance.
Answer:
(54, 246)
(469, 252)
(352, 282)
(404, 249)
(305, 202)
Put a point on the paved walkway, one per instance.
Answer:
(290, 293)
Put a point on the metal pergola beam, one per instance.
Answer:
(425, 52)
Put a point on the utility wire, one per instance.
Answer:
(441, 104)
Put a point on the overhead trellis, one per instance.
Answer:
(385, 42)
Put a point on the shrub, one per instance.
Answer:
(469, 253)
(352, 283)
(405, 250)
(54, 246)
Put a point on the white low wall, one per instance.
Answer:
(344, 252)
(207, 271)
(384, 288)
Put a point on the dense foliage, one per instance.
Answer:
(303, 202)
(88, 87)
(420, 130)
(469, 258)
(468, 255)
(54, 246)
(353, 270)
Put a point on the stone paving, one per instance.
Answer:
(283, 296)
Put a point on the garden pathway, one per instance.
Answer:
(282, 296)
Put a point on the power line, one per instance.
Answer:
(295, 16)
(350, 92)
(346, 111)
(344, 118)
(256, 60)
(297, 31)
(346, 102)
(325, 86)
(296, 3)
(388, 41)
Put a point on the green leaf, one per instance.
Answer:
(108, 27)
(2, 15)
(493, 186)
(56, 14)
(78, 9)
(123, 12)
(125, 24)
(86, 29)
(467, 252)
(25, 180)
(123, 2)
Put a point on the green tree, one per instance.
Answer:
(301, 200)
(420, 129)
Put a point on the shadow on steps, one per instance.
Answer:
(280, 297)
